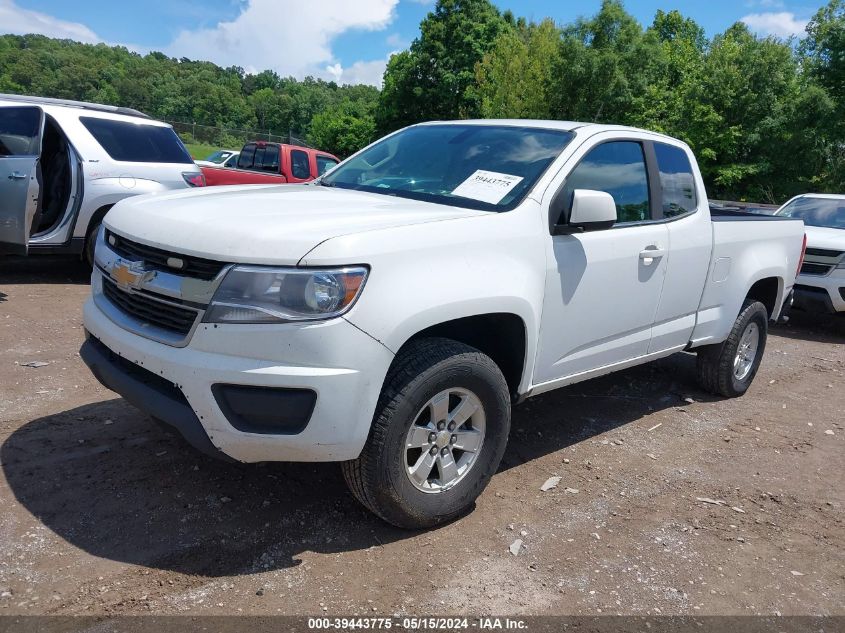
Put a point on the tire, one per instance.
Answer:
(90, 243)
(419, 376)
(719, 369)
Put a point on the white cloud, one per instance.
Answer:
(369, 72)
(782, 24)
(289, 40)
(14, 19)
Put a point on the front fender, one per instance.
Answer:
(427, 274)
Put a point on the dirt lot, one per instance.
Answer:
(102, 511)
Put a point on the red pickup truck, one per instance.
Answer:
(272, 163)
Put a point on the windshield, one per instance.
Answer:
(826, 212)
(218, 157)
(490, 167)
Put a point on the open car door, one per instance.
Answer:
(20, 148)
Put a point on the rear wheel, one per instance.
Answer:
(728, 369)
(438, 436)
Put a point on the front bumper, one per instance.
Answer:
(818, 293)
(344, 367)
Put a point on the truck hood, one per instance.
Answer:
(823, 237)
(264, 224)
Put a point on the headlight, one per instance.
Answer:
(256, 294)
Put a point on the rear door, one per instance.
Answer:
(683, 207)
(20, 147)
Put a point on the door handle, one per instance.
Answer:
(651, 253)
(16, 175)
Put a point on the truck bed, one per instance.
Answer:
(742, 251)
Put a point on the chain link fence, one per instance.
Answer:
(231, 138)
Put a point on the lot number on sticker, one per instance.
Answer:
(487, 186)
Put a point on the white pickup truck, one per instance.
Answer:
(388, 315)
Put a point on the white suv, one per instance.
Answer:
(64, 164)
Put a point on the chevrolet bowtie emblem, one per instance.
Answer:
(130, 274)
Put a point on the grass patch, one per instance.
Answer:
(200, 150)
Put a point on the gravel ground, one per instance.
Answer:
(670, 501)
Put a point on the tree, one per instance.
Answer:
(604, 67)
(825, 48)
(435, 78)
(514, 79)
(824, 56)
(342, 129)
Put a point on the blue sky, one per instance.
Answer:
(346, 40)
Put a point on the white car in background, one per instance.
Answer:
(820, 286)
(64, 164)
(220, 158)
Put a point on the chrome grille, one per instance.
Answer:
(157, 259)
(148, 310)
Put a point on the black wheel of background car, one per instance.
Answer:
(728, 369)
(90, 242)
(438, 435)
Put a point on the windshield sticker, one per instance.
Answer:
(487, 186)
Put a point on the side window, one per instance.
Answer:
(619, 169)
(676, 180)
(19, 130)
(324, 163)
(299, 164)
(247, 156)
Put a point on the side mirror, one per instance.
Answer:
(591, 211)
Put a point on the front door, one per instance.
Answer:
(20, 146)
(603, 288)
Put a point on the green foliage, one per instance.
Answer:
(199, 151)
(342, 129)
(824, 56)
(765, 117)
(515, 78)
(435, 79)
(174, 89)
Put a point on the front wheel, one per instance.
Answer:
(728, 369)
(439, 433)
(90, 243)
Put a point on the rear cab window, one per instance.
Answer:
(676, 180)
(260, 157)
(137, 142)
(247, 156)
